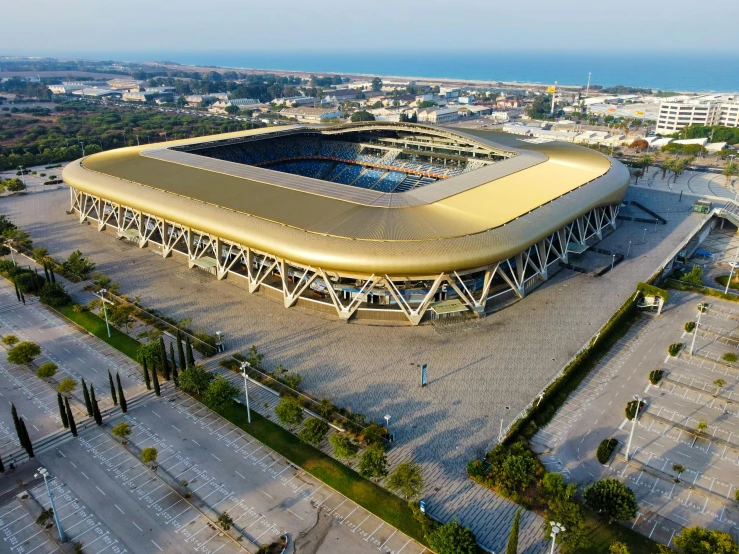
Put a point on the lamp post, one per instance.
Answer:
(701, 308)
(633, 424)
(628, 250)
(387, 425)
(43, 472)
(23, 177)
(219, 342)
(733, 265)
(244, 365)
(613, 261)
(101, 296)
(644, 237)
(557, 528)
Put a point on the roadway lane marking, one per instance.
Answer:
(85, 476)
(155, 544)
(121, 511)
(216, 457)
(272, 497)
(296, 515)
(101, 490)
(239, 474)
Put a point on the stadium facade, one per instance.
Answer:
(383, 221)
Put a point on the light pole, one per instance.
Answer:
(101, 296)
(628, 250)
(43, 472)
(644, 237)
(244, 365)
(557, 528)
(733, 265)
(701, 308)
(613, 261)
(387, 425)
(633, 424)
(23, 177)
(219, 343)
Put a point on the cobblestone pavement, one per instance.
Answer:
(477, 369)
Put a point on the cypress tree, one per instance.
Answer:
(28, 445)
(112, 390)
(23, 298)
(38, 279)
(190, 357)
(86, 394)
(512, 547)
(46, 271)
(180, 352)
(2, 467)
(172, 358)
(163, 356)
(62, 411)
(16, 422)
(17, 292)
(124, 406)
(34, 284)
(95, 408)
(157, 391)
(147, 380)
(53, 279)
(70, 418)
(175, 375)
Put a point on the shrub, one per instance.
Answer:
(149, 455)
(122, 430)
(23, 353)
(225, 521)
(66, 385)
(631, 409)
(343, 446)
(694, 276)
(407, 480)
(313, 431)
(605, 449)
(674, 348)
(373, 434)
(611, 499)
(47, 370)
(194, 379)
(9, 340)
(373, 464)
(54, 295)
(655, 376)
(219, 393)
(689, 326)
(289, 411)
(730, 357)
(453, 538)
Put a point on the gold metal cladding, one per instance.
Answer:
(469, 229)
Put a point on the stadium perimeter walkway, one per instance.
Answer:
(476, 369)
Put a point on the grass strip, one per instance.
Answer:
(602, 535)
(96, 326)
(381, 502)
(372, 497)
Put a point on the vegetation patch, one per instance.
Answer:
(605, 449)
(631, 408)
(96, 326)
(674, 348)
(730, 357)
(689, 326)
(655, 376)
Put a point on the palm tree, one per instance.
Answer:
(720, 383)
(666, 165)
(646, 161)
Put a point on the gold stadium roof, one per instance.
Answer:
(464, 222)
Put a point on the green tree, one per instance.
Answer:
(407, 480)
(9, 340)
(163, 359)
(195, 379)
(149, 352)
(78, 265)
(232, 109)
(373, 434)
(219, 393)
(190, 357)
(373, 463)
(512, 547)
(618, 548)
(121, 396)
(149, 455)
(290, 410)
(113, 393)
(47, 370)
(180, 352)
(24, 353)
(155, 379)
(27, 444)
(376, 84)
(225, 521)
(453, 538)
(62, 411)
(66, 385)
(569, 514)
(70, 417)
(254, 357)
(343, 446)
(121, 315)
(147, 379)
(88, 401)
(678, 469)
(362, 115)
(122, 431)
(720, 383)
(611, 499)
(313, 431)
(697, 540)
(95, 408)
(731, 169)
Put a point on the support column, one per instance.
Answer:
(166, 228)
(100, 207)
(220, 265)
(541, 250)
(142, 230)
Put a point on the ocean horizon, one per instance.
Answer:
(680, 71)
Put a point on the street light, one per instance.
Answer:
(628, 250)
(101, 296)
(244, 365)
(557, 528)
(644, 237)
(613, 261)
(733, 265)
(219, 343)
(701, 308)
(43, 472)
(633, 424)
(387, 425)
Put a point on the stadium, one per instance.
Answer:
(371, 221)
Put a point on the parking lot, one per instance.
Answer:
(684, 458)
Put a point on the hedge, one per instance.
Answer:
(605, 449)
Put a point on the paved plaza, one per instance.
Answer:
(690, 183)
(480, 371)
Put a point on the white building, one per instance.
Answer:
(311, 114)
(437, 115)
(709, 109)
(295, 101)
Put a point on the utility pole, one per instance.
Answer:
(244, 365)
(633, 424)
(43, 472)
(554, 93)
(701, 308)
(101, 296)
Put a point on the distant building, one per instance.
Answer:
(140, 96)
(127, 84)
(95, 92)
(311, 114)
(437, 115)
(241, 103)
(708, 109)
(65, 88)
(293, 101)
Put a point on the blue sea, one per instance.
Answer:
(682, 71)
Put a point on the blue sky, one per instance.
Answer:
(97, 27)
